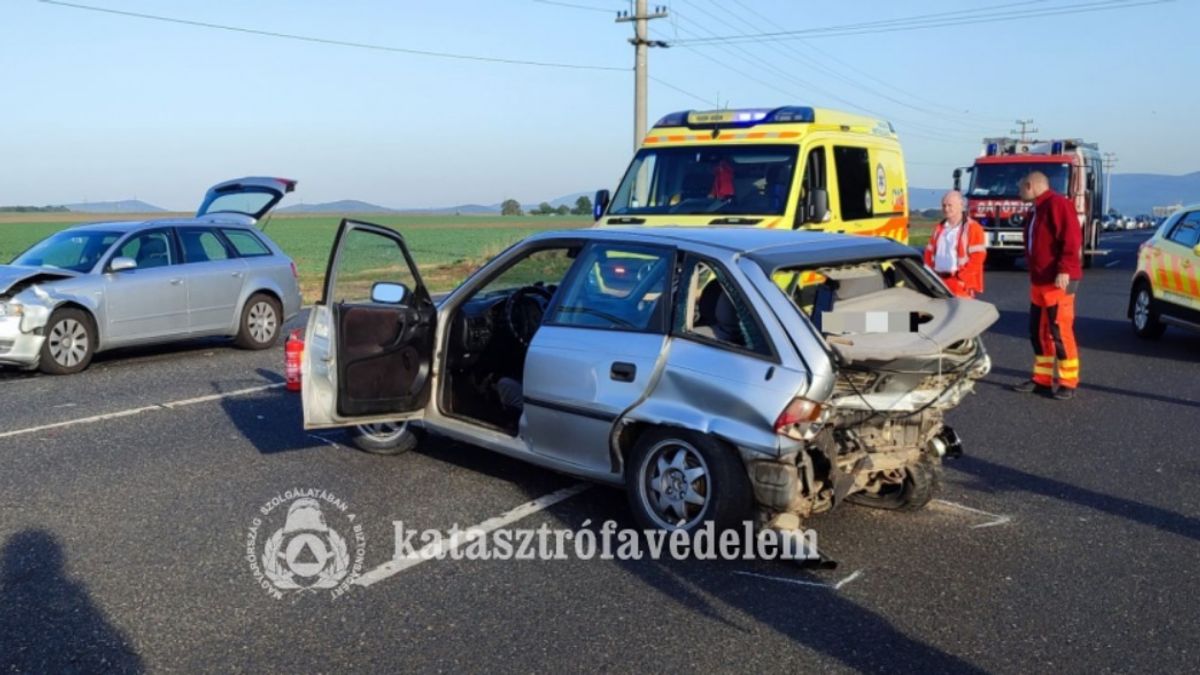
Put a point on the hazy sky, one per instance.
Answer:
(101, 107)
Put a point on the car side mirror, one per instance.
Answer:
(816, 206)
(121, 263)
(387, 293)
(600, 204)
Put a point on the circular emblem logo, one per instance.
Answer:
(1016, 219)
(305, 541)
(880, 180)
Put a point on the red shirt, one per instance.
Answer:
(1053, 239)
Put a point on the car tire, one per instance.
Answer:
(693, 468)
(922, 481)
(1144, 313)
(261, 323)
(70, 342)
(386, 438)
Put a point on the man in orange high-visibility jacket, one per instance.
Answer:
(1052, 249)
(957, 249)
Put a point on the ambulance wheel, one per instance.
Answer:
(1146, 323)
(385, 438)
(920, 485)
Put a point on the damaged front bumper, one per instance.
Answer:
(21, 338)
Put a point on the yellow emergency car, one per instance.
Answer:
(1166, 286)
(791, 167)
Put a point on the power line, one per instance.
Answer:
(573, 5)
(858, 71)
(908, 24)
(668, 85)
(931, 132)
(800, 56)
(339, 43)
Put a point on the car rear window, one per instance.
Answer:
(246, 243)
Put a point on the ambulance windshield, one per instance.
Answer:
(702, 180)
(1003, 180)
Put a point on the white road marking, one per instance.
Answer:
(996, 518)
(801, 582)
(172, 405)
(444, 546)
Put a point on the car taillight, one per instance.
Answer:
(798, 418)
(295, 274)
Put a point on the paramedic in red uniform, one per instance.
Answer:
(1052, 246)
(957, 249)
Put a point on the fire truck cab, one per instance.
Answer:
(792, 167)
(1075, 170)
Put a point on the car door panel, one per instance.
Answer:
(598, 352)
(150, 301)
(380, 359)
(577, 382)
(366, 360)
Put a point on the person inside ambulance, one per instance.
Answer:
(957, 249)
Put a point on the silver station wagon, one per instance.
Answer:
(115, 284)
(717, 374)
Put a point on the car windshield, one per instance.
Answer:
(727, 180)
(1003, 180)
(76, 250)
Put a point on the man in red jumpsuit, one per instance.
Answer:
(957, 249)
(1052, 248)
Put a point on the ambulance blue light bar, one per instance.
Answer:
(747, 117)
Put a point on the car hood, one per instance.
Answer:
(15, 278)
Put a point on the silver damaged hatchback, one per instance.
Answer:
(717, 374)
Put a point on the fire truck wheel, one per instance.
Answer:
(387, 438)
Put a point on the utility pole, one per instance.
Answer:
(1025, 129)
(641, 43)
(1110, 160)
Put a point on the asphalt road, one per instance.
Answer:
(1066, 539)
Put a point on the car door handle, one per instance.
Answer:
(176, 282)
(623, 372)
(237, 274)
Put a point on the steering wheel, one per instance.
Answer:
(523, 311)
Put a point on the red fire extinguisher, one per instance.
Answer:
(291, 360)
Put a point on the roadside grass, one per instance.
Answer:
(447, 249)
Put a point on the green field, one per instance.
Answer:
(447, 248)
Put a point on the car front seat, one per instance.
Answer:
(152, 253)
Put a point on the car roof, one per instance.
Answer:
(770, 248)
(124, 226)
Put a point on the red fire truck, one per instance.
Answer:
(1075, 170)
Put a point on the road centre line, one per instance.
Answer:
(443, 547)
(172, 405)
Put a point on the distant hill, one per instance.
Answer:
(340, 206)
(1138, 193)
(123, 206)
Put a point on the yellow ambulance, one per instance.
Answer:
(1166, 286)
(791, 167)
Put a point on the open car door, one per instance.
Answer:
(252, 196)
(369, 343)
